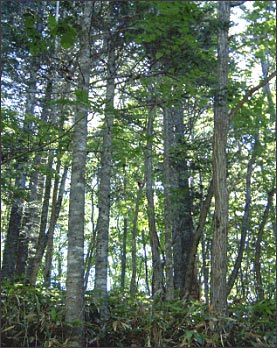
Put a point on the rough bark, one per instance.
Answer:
(35, 262)
(75, 256)
(221, 125)
(182, 206)
(101, 265)
(11, 242)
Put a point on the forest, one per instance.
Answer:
(138, 186)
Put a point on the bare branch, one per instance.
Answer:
(236, 3)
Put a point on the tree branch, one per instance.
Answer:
(236, 3)
(249, 94)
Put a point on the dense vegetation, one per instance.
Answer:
(35, 317)
(138, 173)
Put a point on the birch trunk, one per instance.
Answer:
(75, 256)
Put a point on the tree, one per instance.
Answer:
(75, 256)
(221, 126)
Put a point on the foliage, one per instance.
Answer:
(34, 316)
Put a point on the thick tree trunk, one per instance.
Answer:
(182, 234)
(101, 265)
(11, 242)
(221, 125)
(75, 256)
(157, 272)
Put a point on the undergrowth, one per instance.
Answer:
(34, 316)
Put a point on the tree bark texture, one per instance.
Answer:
(12, 238)
(182, 234)
(221, 125)
(168, 214)
(35, 262)
(75, 255)
(102, 242)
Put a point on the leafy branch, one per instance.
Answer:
(249, 94)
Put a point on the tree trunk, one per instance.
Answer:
(221, 125)
(35, 262)
(157, 275)
(168, 216)
(257, 262)
(11, 243)
(245, 219)
(75, 256)
(101, 265)
(124, 254)
(55, 212)
(182, 208)
(31, 218)
(133, 285)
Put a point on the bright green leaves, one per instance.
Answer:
(33, 25)
(82, 96)
(64, 29)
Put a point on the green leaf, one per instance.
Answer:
(52, 23)
(159, 54)
(82, 96)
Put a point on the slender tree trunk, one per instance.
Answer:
(157, 275)
(35, 263)
(92, 243)
(133, 285)
(31, 218)
(58, 193)
(145, 262)
(221, 125)
(124, 254)
(101, 265)
(257, 262)
(245, 219)
(75, 255)
(168, 140)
